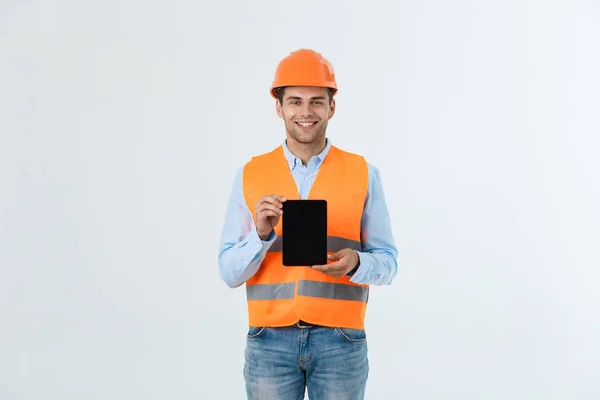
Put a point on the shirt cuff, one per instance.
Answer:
(365, 264)
(257, 243)
(353, 270)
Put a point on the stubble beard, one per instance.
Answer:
(305, 137)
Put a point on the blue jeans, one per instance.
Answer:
(280, 363)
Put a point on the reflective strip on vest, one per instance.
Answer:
(327, 290)
(274, 291)
(334, 244)
(334, 291)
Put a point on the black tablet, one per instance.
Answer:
(304, 232)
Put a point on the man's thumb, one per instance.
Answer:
(334, 256)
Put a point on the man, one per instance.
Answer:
(306, 324)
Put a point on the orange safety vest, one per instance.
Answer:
(281, 296)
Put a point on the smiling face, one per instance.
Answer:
(306, 112)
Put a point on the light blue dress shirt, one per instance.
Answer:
(241, 250)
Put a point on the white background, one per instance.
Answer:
(122, 124)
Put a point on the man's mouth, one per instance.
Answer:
(306, 124)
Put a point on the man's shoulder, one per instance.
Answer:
(373, 171)
(257, 161)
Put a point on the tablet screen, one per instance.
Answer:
(304, 232)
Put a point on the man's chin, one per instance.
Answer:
(305, 140)
(305, 137)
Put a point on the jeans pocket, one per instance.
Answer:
(352, 335)
(255, 331)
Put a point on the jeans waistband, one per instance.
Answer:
(304, 324)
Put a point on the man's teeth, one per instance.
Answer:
(305, 124)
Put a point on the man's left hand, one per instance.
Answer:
(345, 261)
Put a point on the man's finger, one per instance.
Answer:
(337, 271)
(269, 207)
(274, 199)
(271, 202)
(337, 255)
(329, 267)
(269, 213)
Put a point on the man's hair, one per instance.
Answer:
(280, 91)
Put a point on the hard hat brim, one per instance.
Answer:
(327, 85)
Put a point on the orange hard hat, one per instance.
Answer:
(304, 67)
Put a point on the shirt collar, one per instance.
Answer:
(292, 160)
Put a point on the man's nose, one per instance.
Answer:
(305, 110)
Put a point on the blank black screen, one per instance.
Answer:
(304, 232)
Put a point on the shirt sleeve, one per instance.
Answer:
(241, 251)
(378, 257)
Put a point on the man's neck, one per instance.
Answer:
(306, 151)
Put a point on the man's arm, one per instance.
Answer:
(241, 250)
(378, 258)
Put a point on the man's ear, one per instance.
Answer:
(332, 109)
(278, 108)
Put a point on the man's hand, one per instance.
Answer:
(345, 261)
(268, 211)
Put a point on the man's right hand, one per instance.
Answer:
(268, 210)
